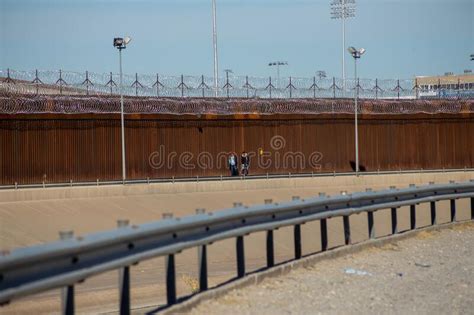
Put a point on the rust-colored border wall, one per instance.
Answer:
(59, 148)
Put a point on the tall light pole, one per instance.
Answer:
(343, 9)
(120, 44)
(356, 53)
(278, 64)
(214, 41)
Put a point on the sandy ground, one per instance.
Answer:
(24, 223)
(432, 273)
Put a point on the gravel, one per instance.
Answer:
(432, 273)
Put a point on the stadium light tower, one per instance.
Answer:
(120, 44)
(343, 9)
(214, 41)
(278, 64)
(356, 53)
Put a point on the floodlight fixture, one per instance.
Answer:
(356, 53)
(278, 63)
(121, 43)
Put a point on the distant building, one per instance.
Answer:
(449, 84)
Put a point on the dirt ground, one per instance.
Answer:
(432, 273)
(34, 221)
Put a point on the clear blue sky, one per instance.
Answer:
(402, 37)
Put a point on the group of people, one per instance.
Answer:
(234, 164)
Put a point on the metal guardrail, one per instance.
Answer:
(197, 179)
(64, 263)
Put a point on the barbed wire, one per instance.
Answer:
(97, 84)
(14, 103)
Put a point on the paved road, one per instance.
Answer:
(430, 274)
(37, 215)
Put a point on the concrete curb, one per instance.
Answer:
(373, 181)
(285, 268)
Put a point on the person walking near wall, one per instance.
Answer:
(245, 162)
(234, 171)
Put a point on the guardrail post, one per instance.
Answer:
(324, 234)
(124, 280)
(240, 256)
(202, 260)
(67, 300)
(412, 217)
(202, 257)
(433, 212)
(472, 208)
(370, 219)
(453, 210)
(347, 230)
(170, 280)
(170, 272)
(67, 293)
(124, 276)
(393, 212)
(270, 249)
(297, 239)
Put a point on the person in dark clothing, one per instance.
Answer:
(245, 162)
(233, 167)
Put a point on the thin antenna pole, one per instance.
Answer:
(376, 89)
(398, 89)
(227, 82)
(60, 82)
(314, 87)
(278, 76)
(247, 84)
(202, 84)
(157, 85)
(214, 37)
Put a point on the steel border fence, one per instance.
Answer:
(64, 263)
